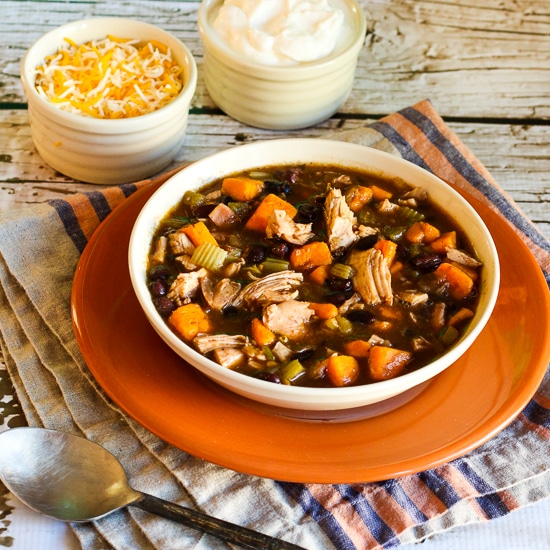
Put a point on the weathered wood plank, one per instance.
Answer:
(517, 156)
(474, 59)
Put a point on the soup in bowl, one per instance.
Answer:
(313, 274)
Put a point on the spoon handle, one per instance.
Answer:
(225, 530)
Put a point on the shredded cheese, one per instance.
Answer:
(110, 78)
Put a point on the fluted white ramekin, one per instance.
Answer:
(107, 151)
(280, 97)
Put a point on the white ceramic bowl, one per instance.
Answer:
(295, 151)
(280, 97)
(102, 150)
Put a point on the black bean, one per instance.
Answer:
(426, 262)
(402, 252)
(338, 253)
(280, 250)
(256, 254)
(277, 187)
(336, 298)
(290, 175)
(203, 210)
(270, 377)
(230, 311)
(307, 213)
(360, 316)
(158, 287)
(319, 199)
(159, 272)
(336, 283)
(304, 354)
(366, 243)
(164, 305)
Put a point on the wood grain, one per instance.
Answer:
(517, 156)
(487, 59)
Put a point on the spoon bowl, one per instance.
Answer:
(70, 478)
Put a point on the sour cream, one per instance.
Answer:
(280, 32)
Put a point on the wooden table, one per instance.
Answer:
(484, 64)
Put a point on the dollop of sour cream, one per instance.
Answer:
(280, 32)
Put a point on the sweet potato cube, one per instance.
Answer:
(242, 189)
(444, 241)
(472, 272)
(357, 348)
(311, 255)
(385, 362)
(460, 283)
(319, 275)
(415, 233)
(396, 267)
(388, 249)
(198, 233)
(422, 232)
(358, 196)
(261, 334)
(431, 233)
(342, 370)
(258, 219)
(189, 320)
(324, 311)
(379, 194)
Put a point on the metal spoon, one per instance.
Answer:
(70, 478)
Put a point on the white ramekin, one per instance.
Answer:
(279, 97)
(107, 151)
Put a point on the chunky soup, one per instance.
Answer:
(314, 275)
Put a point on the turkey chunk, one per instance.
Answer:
(372, 279)
(185, 286)
(290, 318)
(280, 224)
(339, 221)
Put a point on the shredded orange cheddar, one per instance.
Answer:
(110, 78)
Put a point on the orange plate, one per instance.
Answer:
(457, 411)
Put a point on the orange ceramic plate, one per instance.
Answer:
(457, 411)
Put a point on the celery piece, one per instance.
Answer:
(342, 271)
(253, 271)
(344, 325)
(416, 248)
(332, 324)
(394, 233)
(411, 215)
(175, 223)
(268, 353)
(273, 265)
(291, 371)
(240, 208)
(192, 199)
(209, 255)
(257, 175)
(234, 253)
(366, 216)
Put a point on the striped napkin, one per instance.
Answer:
(39, 250)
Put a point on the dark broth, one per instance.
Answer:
(423, 330)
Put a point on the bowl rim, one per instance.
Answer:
(145, 222)
(212, 42)
(102, 125)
